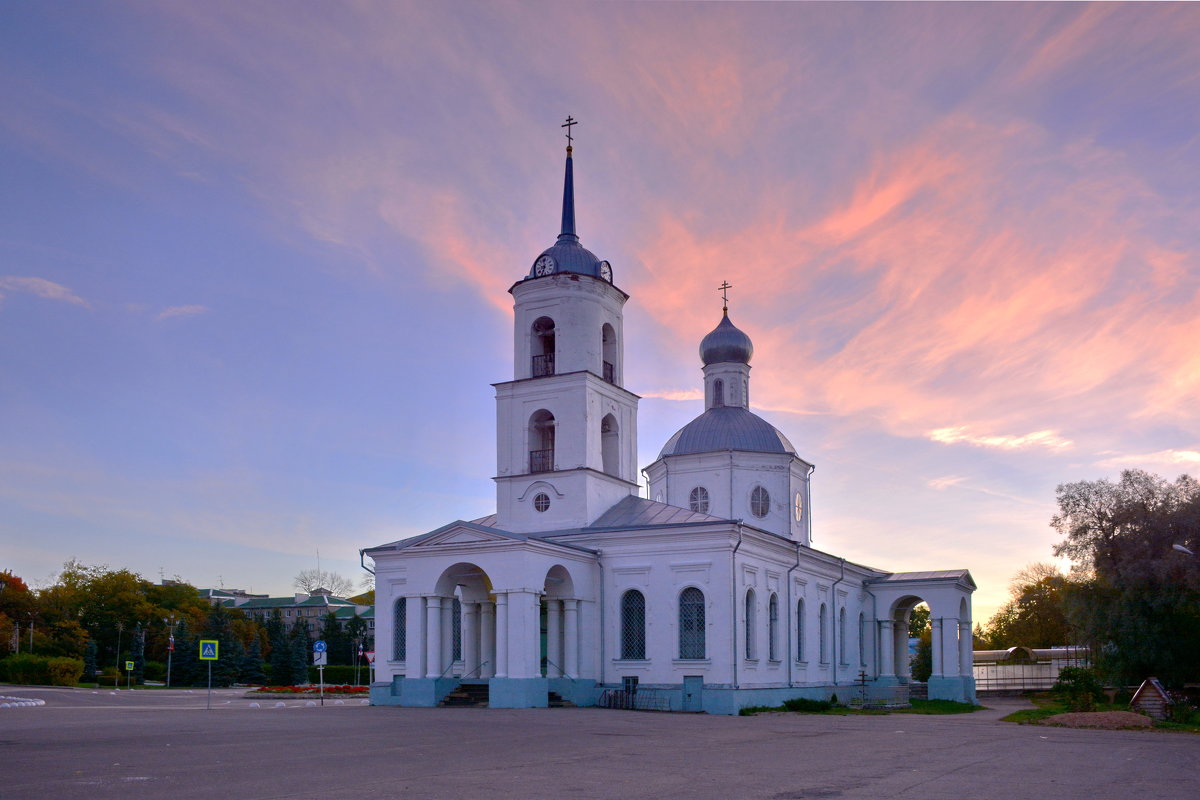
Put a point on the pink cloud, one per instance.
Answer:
(40, 287)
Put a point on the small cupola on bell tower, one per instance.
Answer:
(566, 428)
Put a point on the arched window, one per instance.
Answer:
(400, 629)
(610, 455)
(751, 633)
(541, 347)
(691, 623)
(718, 398)
(456, 630)
(800, 629)
(608, 347)
(823, 621)
(773, 628)
(541, 441)
(698, 500)
(842, 637)
(862, 640)
(633, 625)
(760, 502)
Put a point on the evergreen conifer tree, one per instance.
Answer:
(299, 647)
(185, 667)
(281, 653)
(252, 665)
(137, 654)
(89, 662)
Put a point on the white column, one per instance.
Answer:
(524, 641)
(966, 654)
(487, 638)
(570, 660)
(414, 637)
(501, 635)
(935, 631)
(554, 638)
(433, 636)
(950, 647)
(447, 634)
(470, 639)
(887, 648)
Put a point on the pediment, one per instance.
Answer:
(461, 535)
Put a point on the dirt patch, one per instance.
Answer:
(1108, 720)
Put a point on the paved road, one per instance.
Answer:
(150, 744)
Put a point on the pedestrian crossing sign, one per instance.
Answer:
(129, 666)
(208, 649)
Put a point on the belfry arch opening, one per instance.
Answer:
(609, 451)
(608, 349)
(541, 441)
(541, 347)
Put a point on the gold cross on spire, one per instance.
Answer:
(724, 290)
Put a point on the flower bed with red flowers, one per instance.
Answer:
(331, 689)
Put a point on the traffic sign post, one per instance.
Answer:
(128, 675)
(209, 649)
(319, 659)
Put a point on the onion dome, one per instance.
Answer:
(726, 343)
(727, 428)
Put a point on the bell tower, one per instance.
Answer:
(566, 428)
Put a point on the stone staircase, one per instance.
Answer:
(467, 695)
(556, 700)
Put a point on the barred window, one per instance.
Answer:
(633, 625)
(800, 629)
(824, 634)
(760, 502)
(773, 628)
(691, 623)
(750, 624)
(456, 630)
(399, 629)
(699, 500)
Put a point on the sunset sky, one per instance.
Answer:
(254, 261)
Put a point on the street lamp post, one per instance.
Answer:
(170, 623)
(117, 680)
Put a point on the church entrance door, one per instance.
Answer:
(693, 689)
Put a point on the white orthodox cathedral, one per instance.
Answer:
(706, 598)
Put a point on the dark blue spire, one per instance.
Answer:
(568, 214)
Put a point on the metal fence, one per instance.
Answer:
(640, 700)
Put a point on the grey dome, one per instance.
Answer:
(570, 256)
(727, 428)
(726, 343)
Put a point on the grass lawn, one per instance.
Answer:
(1048, 705)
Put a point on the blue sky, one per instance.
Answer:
(254, 260)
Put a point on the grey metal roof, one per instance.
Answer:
(727, 428)
(634, 512)
(570, 256)
(944, 574)
(726, 342)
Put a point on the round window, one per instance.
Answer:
(799, 505)
(541, 502)
(698, 501)
(760, 502)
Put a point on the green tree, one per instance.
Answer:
(252, 665)
(1036, 616)
(1137, 600)
(185, 666)
(918, 621)
(298, 649)
(137, 654)
(281, 655)
(89, 661)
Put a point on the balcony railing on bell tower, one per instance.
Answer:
(541, 460)
(543, 365)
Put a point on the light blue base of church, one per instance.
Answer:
(724, 700)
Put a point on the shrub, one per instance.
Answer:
(26, 668)
(1077, 688)
(806, 705)
(64, 671)
(155, 671)
(340, 673)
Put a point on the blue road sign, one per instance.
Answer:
(319, 646)
(208, 649)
